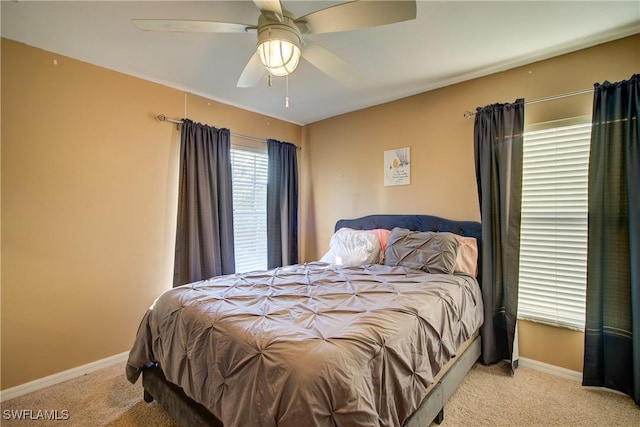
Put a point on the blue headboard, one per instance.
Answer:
(418, 223)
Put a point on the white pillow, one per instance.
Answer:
(353, 247)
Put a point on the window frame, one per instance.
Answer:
(250, 227)
(556, 301)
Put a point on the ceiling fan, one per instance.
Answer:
(280, 35)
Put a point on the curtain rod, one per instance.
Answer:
(163, 118)
(468, 114)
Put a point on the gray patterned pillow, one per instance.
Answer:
(422, 250)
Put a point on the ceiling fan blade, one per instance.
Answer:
(191, 26)
(272, 7)
(252, 73)
(357, 14)
(330, 64)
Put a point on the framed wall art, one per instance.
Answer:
(397, 167)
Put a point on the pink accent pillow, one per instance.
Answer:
(383, 236)
(467, 258)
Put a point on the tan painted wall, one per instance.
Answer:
(346, 171)
(89, 183)
(555, 346)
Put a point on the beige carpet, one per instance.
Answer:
(489, 396)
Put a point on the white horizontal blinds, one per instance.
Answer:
(249, 166)
(553, 245)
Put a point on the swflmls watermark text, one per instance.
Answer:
(36, 414)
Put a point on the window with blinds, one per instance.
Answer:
(249, 168)
(553, 245)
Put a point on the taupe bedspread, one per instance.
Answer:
(309, 345)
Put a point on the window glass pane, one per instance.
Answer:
(553, 236)
(249, 167)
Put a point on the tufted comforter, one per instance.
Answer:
(309, 345)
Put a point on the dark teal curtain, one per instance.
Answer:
(498, 144)
(204, 234)
(612, 335)
(282, 204)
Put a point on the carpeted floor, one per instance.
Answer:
(489, 396)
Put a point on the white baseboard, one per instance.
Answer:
(50, 380)
(550, 369)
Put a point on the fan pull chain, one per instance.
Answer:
(286, 85)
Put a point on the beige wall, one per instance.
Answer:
(555, 346)
(89, 182)
(347, 155)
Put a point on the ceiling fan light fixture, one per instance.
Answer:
(279, 44)
(279, 56)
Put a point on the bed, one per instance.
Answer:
(319, 343)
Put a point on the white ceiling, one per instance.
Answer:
(449, 42)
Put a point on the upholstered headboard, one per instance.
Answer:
(418, 223)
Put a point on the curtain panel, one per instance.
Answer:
(612, 335)
(204, 234)
(498, 148)
(282, 204)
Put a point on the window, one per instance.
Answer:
(249, 168)
(553, 245)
